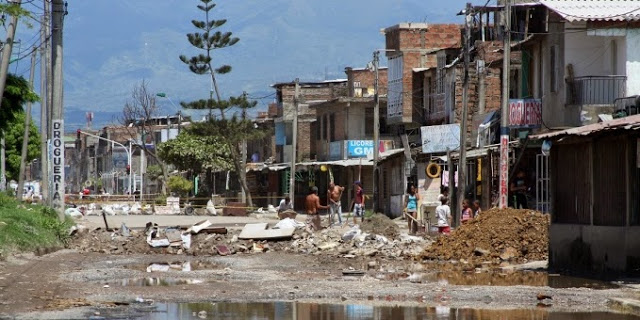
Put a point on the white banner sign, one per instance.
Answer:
(436, 139)
(58, 164)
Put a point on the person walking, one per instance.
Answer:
(411, 207)
(335, 207)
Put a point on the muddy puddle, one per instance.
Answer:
(526, 278)
(185, 266)
(294, 310)
(155, 282)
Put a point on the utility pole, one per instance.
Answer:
(462, 165)
(376, 131)
(4, 70)
(294, 144)
(25, 136)
(44, 103)
(57, 113)
(504, 118)
(244, 151)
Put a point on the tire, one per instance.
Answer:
(188, 211)
(433, 170)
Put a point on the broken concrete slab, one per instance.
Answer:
(197, 227)
(259, 231)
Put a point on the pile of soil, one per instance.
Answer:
(497, 235)
(380, 224)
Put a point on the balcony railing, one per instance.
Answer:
(596, 90)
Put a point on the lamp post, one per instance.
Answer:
(164, 95)
(128, 150)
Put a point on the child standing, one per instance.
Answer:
(443, 214)
(466, 211)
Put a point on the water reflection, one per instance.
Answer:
(154, 282)
(307, 311)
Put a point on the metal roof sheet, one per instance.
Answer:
(595, 10)
(626, 123)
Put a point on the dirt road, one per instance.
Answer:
(320, 267)
(70, 285)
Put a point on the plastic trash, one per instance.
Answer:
(352, 233)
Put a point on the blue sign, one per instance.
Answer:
(359, 148)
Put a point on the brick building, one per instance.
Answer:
(310, 92)
(413, 46)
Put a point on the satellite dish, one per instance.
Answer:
(546, 147)
(370, 66)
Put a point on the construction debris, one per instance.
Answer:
(259, 231)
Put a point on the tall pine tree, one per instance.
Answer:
(227, 119)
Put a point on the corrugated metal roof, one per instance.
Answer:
(595, 10)
(626, 123)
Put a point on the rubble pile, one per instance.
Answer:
(380, 224)
(354, 242)
(497, 235)
(345, 242)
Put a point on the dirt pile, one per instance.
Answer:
(380, 224)
(497, 235)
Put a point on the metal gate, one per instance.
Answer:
(543, 202)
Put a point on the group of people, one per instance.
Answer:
(334, 196)
(470, 210)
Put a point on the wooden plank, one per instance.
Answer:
(259, 231)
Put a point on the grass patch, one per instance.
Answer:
(25, 227)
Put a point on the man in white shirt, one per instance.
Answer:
(285, 209)
(443, 214)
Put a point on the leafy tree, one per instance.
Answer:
(13, 145)
(17, 92)
(230, 129)
(195, 153)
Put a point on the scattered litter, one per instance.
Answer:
(211, 209)
(223, 250)
(124, 230)
(288, 223)
(352, 233)
(73, 212)
(186, 240)
(355, 273)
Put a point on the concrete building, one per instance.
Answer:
(595, 193)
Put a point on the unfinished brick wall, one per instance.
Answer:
(366, 78)
(418, 43)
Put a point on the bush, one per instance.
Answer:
(179, 185)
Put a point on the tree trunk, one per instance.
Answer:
(242, 173)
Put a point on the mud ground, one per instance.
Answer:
(69, 285)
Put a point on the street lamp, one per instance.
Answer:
(128, 150)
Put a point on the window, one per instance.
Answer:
(394, 87)
(553, 68)
(324, 127)
(332, 127)
(319, 128)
